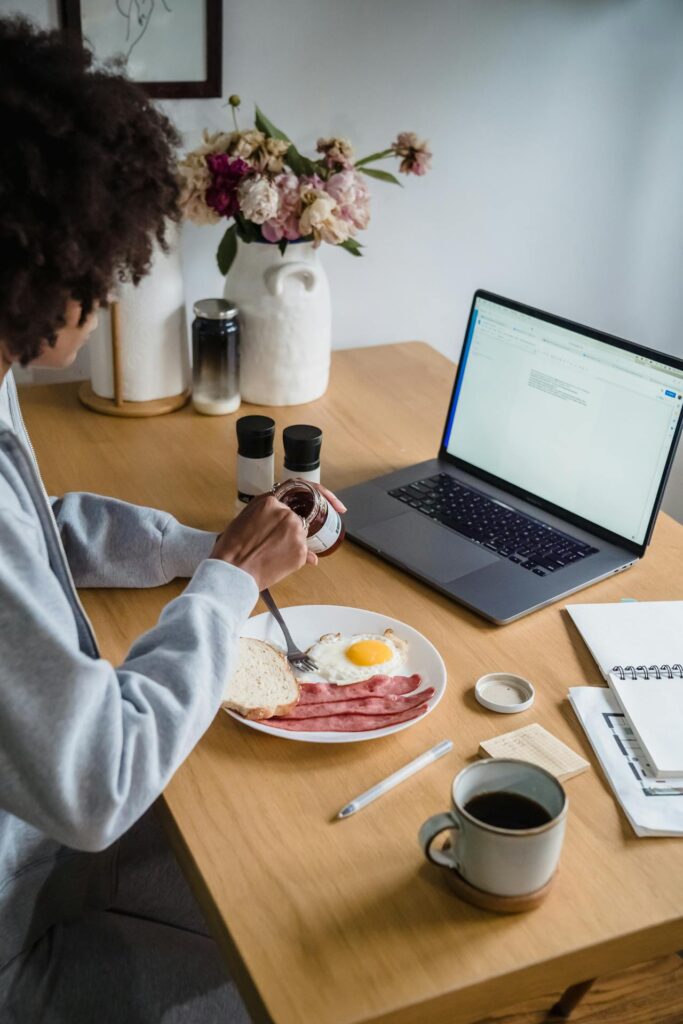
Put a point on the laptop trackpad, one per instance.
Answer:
(425, 547)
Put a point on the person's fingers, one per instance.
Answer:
(311, 558)
(332, 498)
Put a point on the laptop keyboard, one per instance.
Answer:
(533, 545)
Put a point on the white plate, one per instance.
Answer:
(308, 622)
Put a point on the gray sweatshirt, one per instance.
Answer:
(86, 747)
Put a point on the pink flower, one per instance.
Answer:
(352, 197)
(226, 175)
(416, 157)
(285, 223)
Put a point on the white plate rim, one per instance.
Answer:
(348, 737)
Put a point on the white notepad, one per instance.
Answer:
(634, 633)
(639, 649)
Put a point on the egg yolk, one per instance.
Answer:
(368, 652)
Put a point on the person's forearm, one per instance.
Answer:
(87, 746)
(112, 543)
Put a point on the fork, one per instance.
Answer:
(294, 655)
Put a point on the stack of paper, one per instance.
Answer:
(653, 806)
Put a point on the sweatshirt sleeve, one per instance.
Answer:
(87, 747)
(112, 543)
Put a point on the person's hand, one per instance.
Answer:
(332, 498)
(266, 539)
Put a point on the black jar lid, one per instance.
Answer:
(302, 447)
(255, 436)
(215, 309)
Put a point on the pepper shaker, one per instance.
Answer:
(302, 444)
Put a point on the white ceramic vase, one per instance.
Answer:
(153, 334)
(285, 322)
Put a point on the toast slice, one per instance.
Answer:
(263, 684)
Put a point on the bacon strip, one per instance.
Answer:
(389, 705)
(345, 723)
(376, 686)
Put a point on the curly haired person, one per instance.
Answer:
(96, 921)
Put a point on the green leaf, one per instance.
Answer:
(373, 157)
(267, 127)
(227, 250)
(294, 160)
(352, 246)
(300, 164)
(247, 231)
(380, 175)
(282, 245)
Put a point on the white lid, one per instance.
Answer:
(504, 692)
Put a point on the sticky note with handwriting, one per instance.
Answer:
(535, 744)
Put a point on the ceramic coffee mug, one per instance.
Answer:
(502, 861)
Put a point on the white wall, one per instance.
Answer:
(558, 153)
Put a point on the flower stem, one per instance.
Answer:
(374, 156)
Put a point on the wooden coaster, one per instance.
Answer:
(108, 406)
(490, 901)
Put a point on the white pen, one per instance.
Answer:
(393, 780)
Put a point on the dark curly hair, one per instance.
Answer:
(87, 181)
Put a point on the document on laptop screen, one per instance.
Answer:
(575, 421)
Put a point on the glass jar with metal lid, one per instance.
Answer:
(324, 528)
(215, 357)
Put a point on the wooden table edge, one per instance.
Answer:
(471, 1004)
(221, 933)
(464, 1006)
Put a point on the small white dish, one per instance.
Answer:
(308, 622)
(504, 692)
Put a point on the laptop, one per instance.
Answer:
(556, 449)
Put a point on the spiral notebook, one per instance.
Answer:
(639, 649)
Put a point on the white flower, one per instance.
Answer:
(215, 142)
(194, 178)
(244, 144)
(321, 218)
(258, 199)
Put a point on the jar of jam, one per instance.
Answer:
(323, 523)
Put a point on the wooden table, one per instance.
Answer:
(343, 923)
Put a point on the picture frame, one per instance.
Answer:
(150, 37)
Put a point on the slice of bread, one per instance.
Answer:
(263, 684)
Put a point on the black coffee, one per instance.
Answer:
(507, 810)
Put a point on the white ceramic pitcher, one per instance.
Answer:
(285, 322)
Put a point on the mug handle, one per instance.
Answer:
(432, 828)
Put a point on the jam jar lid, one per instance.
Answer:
(215, 309)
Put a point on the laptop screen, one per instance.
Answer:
(578, 422)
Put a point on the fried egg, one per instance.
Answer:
(348, 659)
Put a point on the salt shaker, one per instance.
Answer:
(215, 357)
(255, 461)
